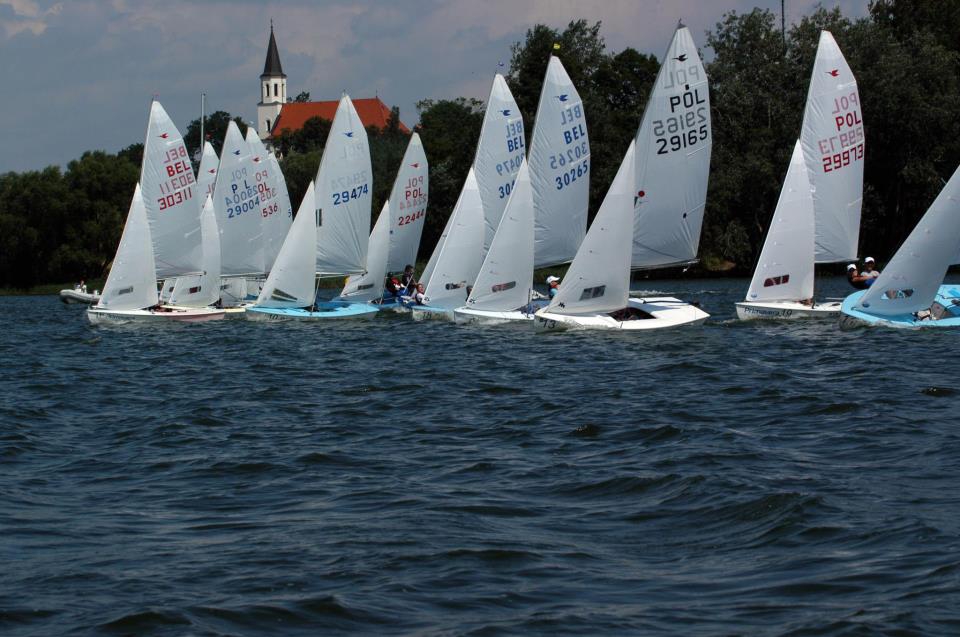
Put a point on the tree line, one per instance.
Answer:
(58, 226)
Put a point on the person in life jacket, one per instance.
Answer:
(869, 274)
(854, 278)
(554, 285)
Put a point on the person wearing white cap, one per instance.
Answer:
(854, 278)
(869, 273)
(554, 283)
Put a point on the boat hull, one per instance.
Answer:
(947, 295)
(329, 310)
(428, 312)
(102, 316)
(471, 316)
(662, 312)
(76, 296)
(786, 310)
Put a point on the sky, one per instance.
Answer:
(79, 74)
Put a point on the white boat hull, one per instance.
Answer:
(468, 316)
(76, 296)
(786, 310)
(103, 316)
(656, 313)
(428, 313)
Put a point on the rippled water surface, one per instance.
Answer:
(391, 477)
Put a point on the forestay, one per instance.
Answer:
(170, 196)
(291, 281)
(344, 191)
(368, 286)
(910, 281)
(132, 282)
(459, 262)
(408, 206)
(785, 270)
(204, 289)
(506, 276)
(236, 201)
(499, 152)
(833, 143)
(599, 277)
(559, 169)
(674, 143)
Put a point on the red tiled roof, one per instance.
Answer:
(293, 115)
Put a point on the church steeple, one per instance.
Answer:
(272, 67)
(273, 88)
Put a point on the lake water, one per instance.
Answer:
(391, 477)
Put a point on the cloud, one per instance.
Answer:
(88, 68)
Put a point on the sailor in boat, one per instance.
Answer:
(419, 298)
(854, 278)
(869, 274)
(393, 287)
(407, 281)
(554, 285)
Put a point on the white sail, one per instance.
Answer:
(272, 214)
(785, 269)
(506, 275)
(408, 206)
(132, 282)
(459, 262)
(559, 169)
(344, 191)
(833, 143)
(432, 263)
(166, 288)
(499, 152)
(207, 174)
(673, 160)
(910, 281)
(236, 201)
(279, 222)
(369, 285)
(170, 196)
(599, 277)
(291, 281)
(203, 289)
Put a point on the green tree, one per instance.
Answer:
(214, 129)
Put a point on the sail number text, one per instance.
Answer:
(176, 189)
(846, 146)
(688, 124)
(243, 197)
(354, 193)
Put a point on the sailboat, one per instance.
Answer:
(275, 214)
(554, 191)
(673, 146)
(909, 292)
(817, 219)
(497, 160)
(503, 289)
(395, 238)
(459, 260)
(130, 293)
(238, 203)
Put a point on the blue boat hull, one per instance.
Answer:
(948, 296)
(325, 310)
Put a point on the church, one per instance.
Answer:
(276, 112)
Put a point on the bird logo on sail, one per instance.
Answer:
(681, 58)
(212, 171)
(349, 133)
(237, 152)
(417, 165)
(833, 73)
(640, 195)
(563, 97)
(506, 112)
(256, 159)
(164, 135)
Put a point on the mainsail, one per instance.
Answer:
(170, 196)
(408, 206)
(274, 218)
(559, 169)
(207, 173)
(343, 194)
(236, 201)
(204, 289)
(673, 160)
(291, 281)
(833, 143)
